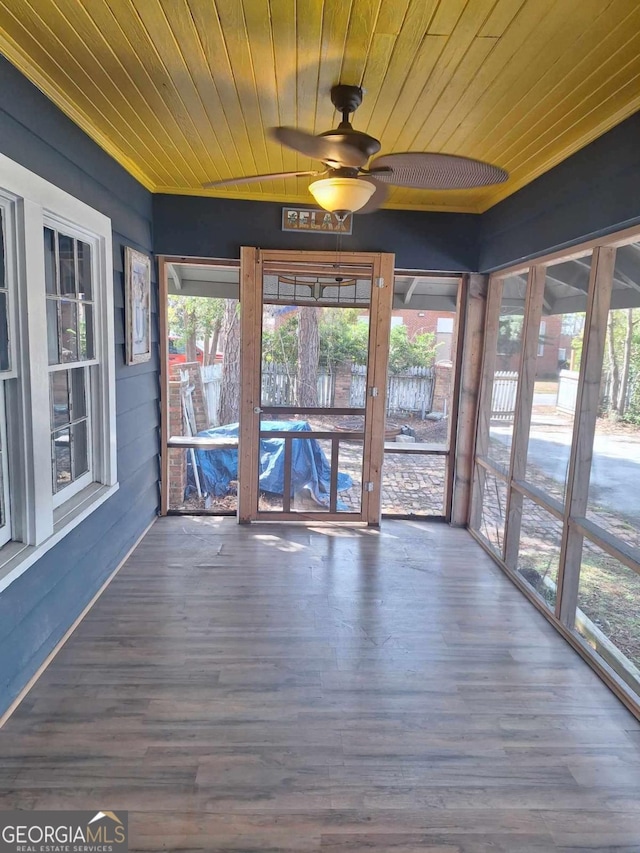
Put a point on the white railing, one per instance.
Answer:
(503, 396)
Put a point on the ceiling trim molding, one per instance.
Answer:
(19, 58)
(608, 123)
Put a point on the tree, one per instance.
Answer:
(193, 318)
(622, 362)
(280, 345)
(405, 353)
(344, 337)
(230, 339)
(308, 355)
(509, 337)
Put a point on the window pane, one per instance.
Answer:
(539, 550)
(67, 265)
(61, 459)
(614, 496)
(80, 449)
(69, 322)
(350, 457)
(608, 608)
(85, 289)
(85, 330)
(4, 332)
(413, 484)
(3, 515)
(59, 388)
(4, 307)
(78, 398)
(420, 379)
(52, 331)
(557, 364)
(3, 282)
(489, 510)
(507, 368)
(50, 260)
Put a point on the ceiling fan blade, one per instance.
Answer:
(424, 170)
(378, 198)
(250, 179)
(324, 148)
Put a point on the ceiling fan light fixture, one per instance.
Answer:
(342, 195)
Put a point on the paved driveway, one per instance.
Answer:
(615, 475)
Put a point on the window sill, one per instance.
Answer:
(16, 558)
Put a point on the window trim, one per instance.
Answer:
(8, 220)
(6, 531)
(38, 525)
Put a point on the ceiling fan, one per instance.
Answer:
(346, 186)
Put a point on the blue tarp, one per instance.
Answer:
(310, 468)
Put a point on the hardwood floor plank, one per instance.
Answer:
(328, 689)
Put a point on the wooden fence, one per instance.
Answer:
(407, 393)
(280, 386)
(212, 383)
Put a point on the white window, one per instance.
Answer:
(7, 357)
(541, 334)
(70, 340)
(57, 396)
(445, 325)
(396, 321)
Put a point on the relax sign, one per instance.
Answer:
(318, 221)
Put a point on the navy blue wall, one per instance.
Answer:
(593, 193)
(212, 227)
(37, 608)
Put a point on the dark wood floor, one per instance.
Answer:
(306, 688)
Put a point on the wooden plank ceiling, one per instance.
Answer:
(180, 91)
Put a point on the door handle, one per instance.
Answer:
(257, 410)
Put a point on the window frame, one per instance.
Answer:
(6, 531)
(39, 522)
(570, 513)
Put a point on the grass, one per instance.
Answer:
(609, 593)
(546, 387)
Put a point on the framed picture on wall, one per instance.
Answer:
(137, 278)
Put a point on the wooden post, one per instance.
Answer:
(250, 345)
(471, 316)
(584, 427)
(522, 417)
(491, 328)
(380, 325)
(163, 344)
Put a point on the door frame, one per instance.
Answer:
(380, 308)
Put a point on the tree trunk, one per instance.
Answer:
(215, 337)
(614, 373)
(308, 356)
(190, 342)
(230, 337)
(626, 364)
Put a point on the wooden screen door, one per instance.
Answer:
(314, 349)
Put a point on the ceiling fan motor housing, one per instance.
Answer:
(347, 99)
